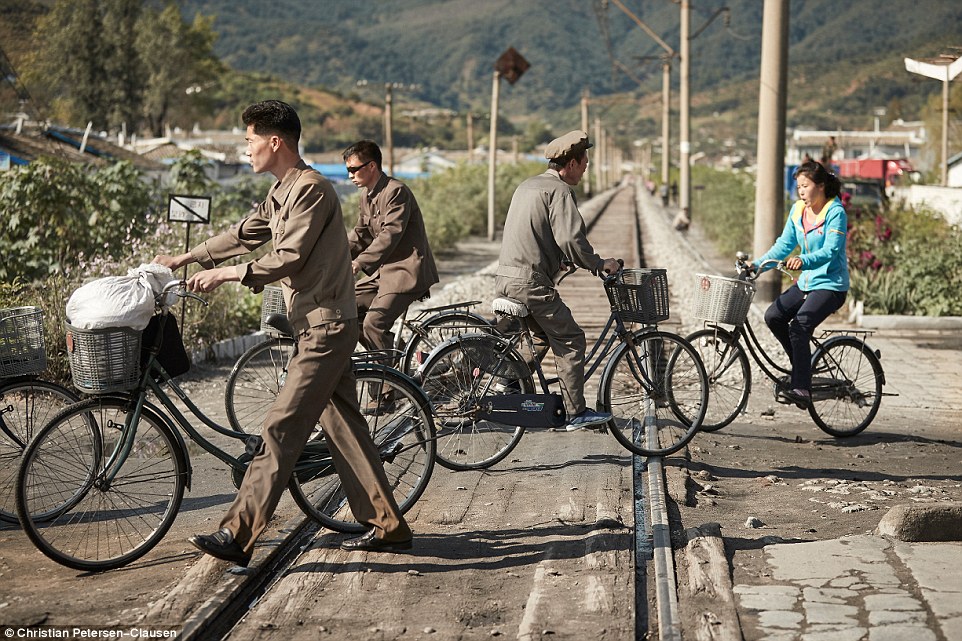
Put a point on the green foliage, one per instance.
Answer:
(905, 261)
(722, 203)
(59, 212)
(455, 202)
(68, 224)
(121, 62)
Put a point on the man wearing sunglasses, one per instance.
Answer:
(389, 247)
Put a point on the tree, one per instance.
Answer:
(178, 63)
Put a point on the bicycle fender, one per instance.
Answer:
(834, 340)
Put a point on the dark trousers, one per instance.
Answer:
(377, 311)
(793, 318)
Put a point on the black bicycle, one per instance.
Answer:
(483, 393)
(847, 375)
(102, 482)
(26, 401)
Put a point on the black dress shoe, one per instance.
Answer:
(221, 545)
(368, 542)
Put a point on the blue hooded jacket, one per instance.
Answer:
(824, 263)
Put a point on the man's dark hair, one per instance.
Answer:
(559, 163)
(366, 151)
(274, 118)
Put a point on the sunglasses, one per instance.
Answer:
(353, 170)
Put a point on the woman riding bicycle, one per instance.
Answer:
(818, 225)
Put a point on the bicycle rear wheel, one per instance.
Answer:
(403, 432)
(254, 382)
(729, 376)
(847, 383)
(95, 492)
(455, 378)
(25, 407)
(657, 392)
(434, 331)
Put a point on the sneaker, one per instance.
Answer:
(801, 398)
(587, 418)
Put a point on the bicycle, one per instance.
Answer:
(260, 372)
(26, 401)
(483, 394)
(101, 483)
(847, 375)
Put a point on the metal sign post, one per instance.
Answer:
(189, 210)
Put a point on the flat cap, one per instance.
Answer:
(572, 142)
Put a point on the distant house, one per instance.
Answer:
(23, 144)
(955, 170)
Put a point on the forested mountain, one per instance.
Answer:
(845, 57)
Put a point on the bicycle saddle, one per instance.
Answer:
(509, 307)
(280, 323)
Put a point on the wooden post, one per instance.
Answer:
(493, 151)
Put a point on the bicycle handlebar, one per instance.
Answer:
(160, 300)
(749, 272)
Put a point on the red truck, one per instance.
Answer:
(888, 171)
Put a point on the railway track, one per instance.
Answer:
(568, 536)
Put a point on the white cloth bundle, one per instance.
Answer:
(119, 301)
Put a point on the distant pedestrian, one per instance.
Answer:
(828, 152)
(674, 192)
(818, 225)
(663, 192)
(301, 216)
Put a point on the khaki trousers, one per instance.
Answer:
(320, 385)
(377, 312)
(551, 320)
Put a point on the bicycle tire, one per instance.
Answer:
(67, 508)
(845, 410)
(453, 378)
(729, 376)
(656, 380)
(25, 407)
(254, 382)
(434, 331)
(403, 432)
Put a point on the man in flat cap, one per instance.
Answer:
(543, 230)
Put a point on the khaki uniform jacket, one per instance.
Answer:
(309, 256)
(389, 241)
(543, 227)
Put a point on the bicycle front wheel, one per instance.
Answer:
(254, 382)
(729, 376)
(97, 490)
(847, 383)
(434, 331)
(656, 389)
(25, 407)
(455, 379)
(400, 423)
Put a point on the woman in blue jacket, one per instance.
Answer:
(817, 224)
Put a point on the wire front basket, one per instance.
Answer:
(722, 300)
(104, 360)
(273, 303)
(640, 296)
(22, 349)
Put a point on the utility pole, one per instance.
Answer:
(584, 128)
(389, 126)
(769, 193)
(470, 133)
(598, 156)
(511, 65)
(684, 100)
